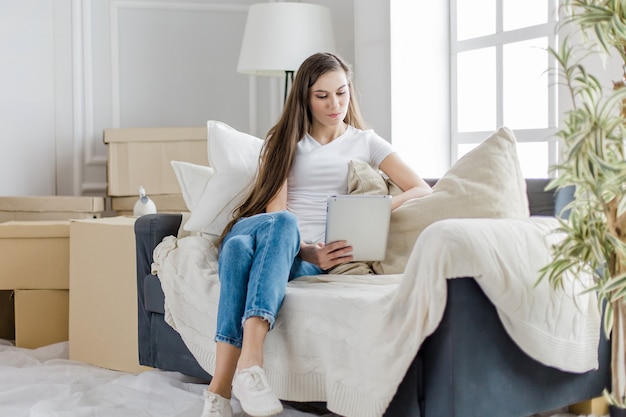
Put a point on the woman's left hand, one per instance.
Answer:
(326, 256)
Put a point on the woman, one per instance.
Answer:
(278, 232)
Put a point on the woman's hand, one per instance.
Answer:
(326, 256)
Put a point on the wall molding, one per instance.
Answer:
(91, 155)
(78, 98)
(85, 150)
(116, 6)
(88, 156)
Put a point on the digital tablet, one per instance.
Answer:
(363, 221)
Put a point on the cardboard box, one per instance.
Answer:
(103, 293)
(165, 203)
(596, 406)
(41, 317)
(50, 208)
(141, 157)
(35, 255)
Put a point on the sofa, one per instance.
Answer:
(468, 367)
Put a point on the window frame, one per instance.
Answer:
(498, 40)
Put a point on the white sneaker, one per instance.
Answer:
(216, 406)
(251, 388)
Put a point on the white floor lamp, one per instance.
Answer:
(280, 35)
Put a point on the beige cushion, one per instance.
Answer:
(485, 183)
(362, 179)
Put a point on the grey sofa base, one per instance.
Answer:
(473, 368)
(469, 367)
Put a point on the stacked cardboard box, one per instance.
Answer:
(142, 156)
(50, 208)
(166, 203)
(34, 282)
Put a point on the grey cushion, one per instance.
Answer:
(563, 197)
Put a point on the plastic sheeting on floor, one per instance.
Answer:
(44, 383)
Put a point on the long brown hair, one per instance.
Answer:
(279, 148)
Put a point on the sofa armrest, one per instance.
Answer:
(151, 229)
(149, 232)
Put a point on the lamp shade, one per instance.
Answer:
(280, 36)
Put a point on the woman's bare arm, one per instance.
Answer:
(279, 202)
(412, 185)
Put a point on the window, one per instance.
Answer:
(499, 77)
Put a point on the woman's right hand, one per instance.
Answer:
(326, 256)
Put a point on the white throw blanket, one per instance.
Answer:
(349, 340)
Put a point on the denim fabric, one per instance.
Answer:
(257, 259)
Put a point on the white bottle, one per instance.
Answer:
(144, 205)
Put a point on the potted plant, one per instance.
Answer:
(592, 138)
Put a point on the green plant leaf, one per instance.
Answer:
(621, 207)
(615, 283)
(618, 295)
(608, 319)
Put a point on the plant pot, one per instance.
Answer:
(616, 411)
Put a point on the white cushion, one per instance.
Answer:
(213, 193)
(193, 180)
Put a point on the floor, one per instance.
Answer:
(45, 383)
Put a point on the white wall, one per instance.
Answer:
(372, 63)
(80, 66)
(158, 64)
(27, 106)
(420, 85)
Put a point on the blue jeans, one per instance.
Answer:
(257, 259)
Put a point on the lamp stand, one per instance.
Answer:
(288, 78)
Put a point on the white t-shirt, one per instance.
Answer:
(322, 170)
